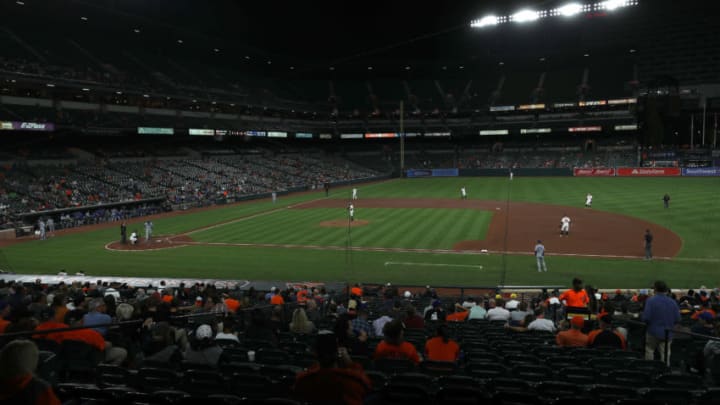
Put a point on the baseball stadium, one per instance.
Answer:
(513, 202)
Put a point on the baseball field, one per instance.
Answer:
(417, 232)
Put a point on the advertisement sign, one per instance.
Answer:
(277, 134)
(701, 171)
(502, 108)
(433, 173)
(351, 136)
(647, 171)
(412, 134)
(325, 136)
(531, 106)
(256, 133)
(434, 134)
(535, 130)
(596, 128)
(564, 105)
(627, 127)
(155, 131)
(591, 103)
(303, 135)
(221, 132)
(593, 172)
(381, 135)
(27, 126)
(484, 132)
(618, 101)
(201, 132)
(235, 132)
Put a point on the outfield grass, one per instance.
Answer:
(694, 215)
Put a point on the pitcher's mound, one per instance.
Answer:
(341, 223)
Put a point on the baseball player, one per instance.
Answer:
(354, 194)
(511, 174)
(540, 256)
(351, 211)
(463, 193)
(51, 226)
(564, 225)
(41, 227)
(588, 200)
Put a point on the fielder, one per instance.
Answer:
(511, 174)
(351, 211)
(540, 256)
(41, 227)
(354, 194)
(564, 225)
(588, 200)
(463, 193)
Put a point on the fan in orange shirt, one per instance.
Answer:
(442, 348)
(573, 337)
(576, 297)
(394, 346)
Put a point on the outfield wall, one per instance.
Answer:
(577, 172)
(523, 172)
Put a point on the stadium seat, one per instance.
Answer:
(393, 366)
(461, 395)
(670, 395)
(612, 392)
(203, 382)
(629, 378)
(484, 370)
(79, 358)
(378, 379)
(652, 367)
(406, 394)
(271, 356)
(154, 379)
(672, 380)
(112, 376)
(438, 368)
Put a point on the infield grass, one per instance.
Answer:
(694, 215)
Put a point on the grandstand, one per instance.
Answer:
(180, 219)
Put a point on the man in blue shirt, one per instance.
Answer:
(97, 316)
(661, 313)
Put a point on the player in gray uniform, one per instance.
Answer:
(564, 225)
(540, 256)
(41, 227)
(51, 226)
(351, 212)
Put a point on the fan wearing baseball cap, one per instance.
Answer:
(606, 337)
(573, 337)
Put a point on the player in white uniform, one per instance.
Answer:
(588, 200)
(511, 174)
(463, 193)
(351, 211)
(354, 194)
(564, 225)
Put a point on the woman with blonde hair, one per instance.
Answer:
(300, 323)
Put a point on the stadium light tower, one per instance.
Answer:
(525, 15)
(570, 10)
(486, 21)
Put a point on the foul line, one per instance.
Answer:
(432, 264)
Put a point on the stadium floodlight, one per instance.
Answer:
(486, 21)
(525, 15)
(611, 5)
(570, 9)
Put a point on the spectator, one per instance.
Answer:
(459, 314)
(436, 312)
(441, 347)
(573, 337)
(661, 314)
(606, 337)
(354, 342)
(203, 349)
(113, 355)
(335, 378)
(513, 303)
(394, 346)
(496, 311)
(540, 323)
(413, 320)
(576, 300)
(97, 316)
(18, 385)
(517, 317)
(360, 324)
(300, 323)
(227, 333)
(379, 324)
(478, 311)
(704, 324)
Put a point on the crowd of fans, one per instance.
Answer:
(330, 340)
(191, 182)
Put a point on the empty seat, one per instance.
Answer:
(629, 378)
(155, 379)
(203, 382)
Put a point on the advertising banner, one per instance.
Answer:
(27, 126)
(701, 171)
(155, 131)
(647, 171)
(593, 172)
(201, 131)
(433, 173)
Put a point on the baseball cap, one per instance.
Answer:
(513, 295)
(618, 291)
(578, 321)
(204, 331)
(198, 298)
(706, 316)
(407, 294)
